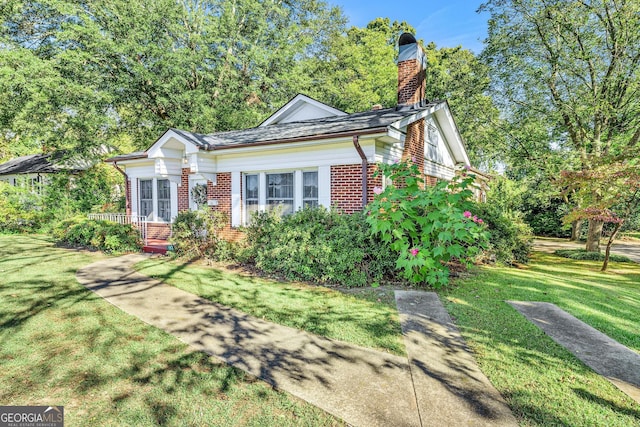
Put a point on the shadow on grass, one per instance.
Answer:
(61, 343)
(317, 310)
(286, 358)
(533, 372)
(606, 403)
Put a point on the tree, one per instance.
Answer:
(611, 192)
(458, 76)
(108, 67)
(576, 63)
(361, 71)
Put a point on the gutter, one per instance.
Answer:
(356, 144)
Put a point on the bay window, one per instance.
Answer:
(146, 197)
(155, 199)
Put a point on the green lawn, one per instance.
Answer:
(632, 234)
(62, 345)
(543, 383)
(322, 311)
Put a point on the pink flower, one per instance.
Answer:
(475, 218)
(396, 161)
(414, 251)
(467, 214)
(467, 167)
(377, 190)
(480, 221)
(413, 159)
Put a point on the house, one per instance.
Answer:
(305, 154)
(33, 171)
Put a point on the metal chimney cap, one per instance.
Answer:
(406, 38)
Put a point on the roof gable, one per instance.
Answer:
(301, 108)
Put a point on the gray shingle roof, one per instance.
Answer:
(35, 163)
(293, 131)
(368, 120)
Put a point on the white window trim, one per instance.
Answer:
(324, 188)
(173, 192)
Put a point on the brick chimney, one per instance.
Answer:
(411, 88)
(411, 73)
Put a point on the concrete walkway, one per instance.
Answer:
(609, 358)
(361, 386)
(450, 388)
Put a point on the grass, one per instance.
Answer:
(632, 235)
(366, 321)
(62, 345)
(543, 383)
(583, 255)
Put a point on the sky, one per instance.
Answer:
(448, 23)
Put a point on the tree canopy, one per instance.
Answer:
(566, 75)
(80, 74)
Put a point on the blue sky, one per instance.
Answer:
(448, 23)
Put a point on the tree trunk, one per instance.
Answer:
(593, 235)
(607, 251)
(575, 230)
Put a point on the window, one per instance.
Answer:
(310, 189)
(146, 197)
(250, 195)
(164, 200)
(280, 192)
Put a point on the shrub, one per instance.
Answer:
(196, 234)
(20, 210)
(511, 238)
(583, 255)
(318, 245)
(426, 227)
(106, 236)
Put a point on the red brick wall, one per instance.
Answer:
(431, 181)
(222, 193)
(158, 231)
(414, 144)
(183, 191)
(346, 186)
(127, 189)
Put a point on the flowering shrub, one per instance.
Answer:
(426, 227)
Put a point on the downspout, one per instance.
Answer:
(127, 190)
(356, 144)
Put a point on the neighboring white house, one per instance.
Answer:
(305, 154)
(33, 171)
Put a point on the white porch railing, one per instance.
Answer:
(140, 223)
